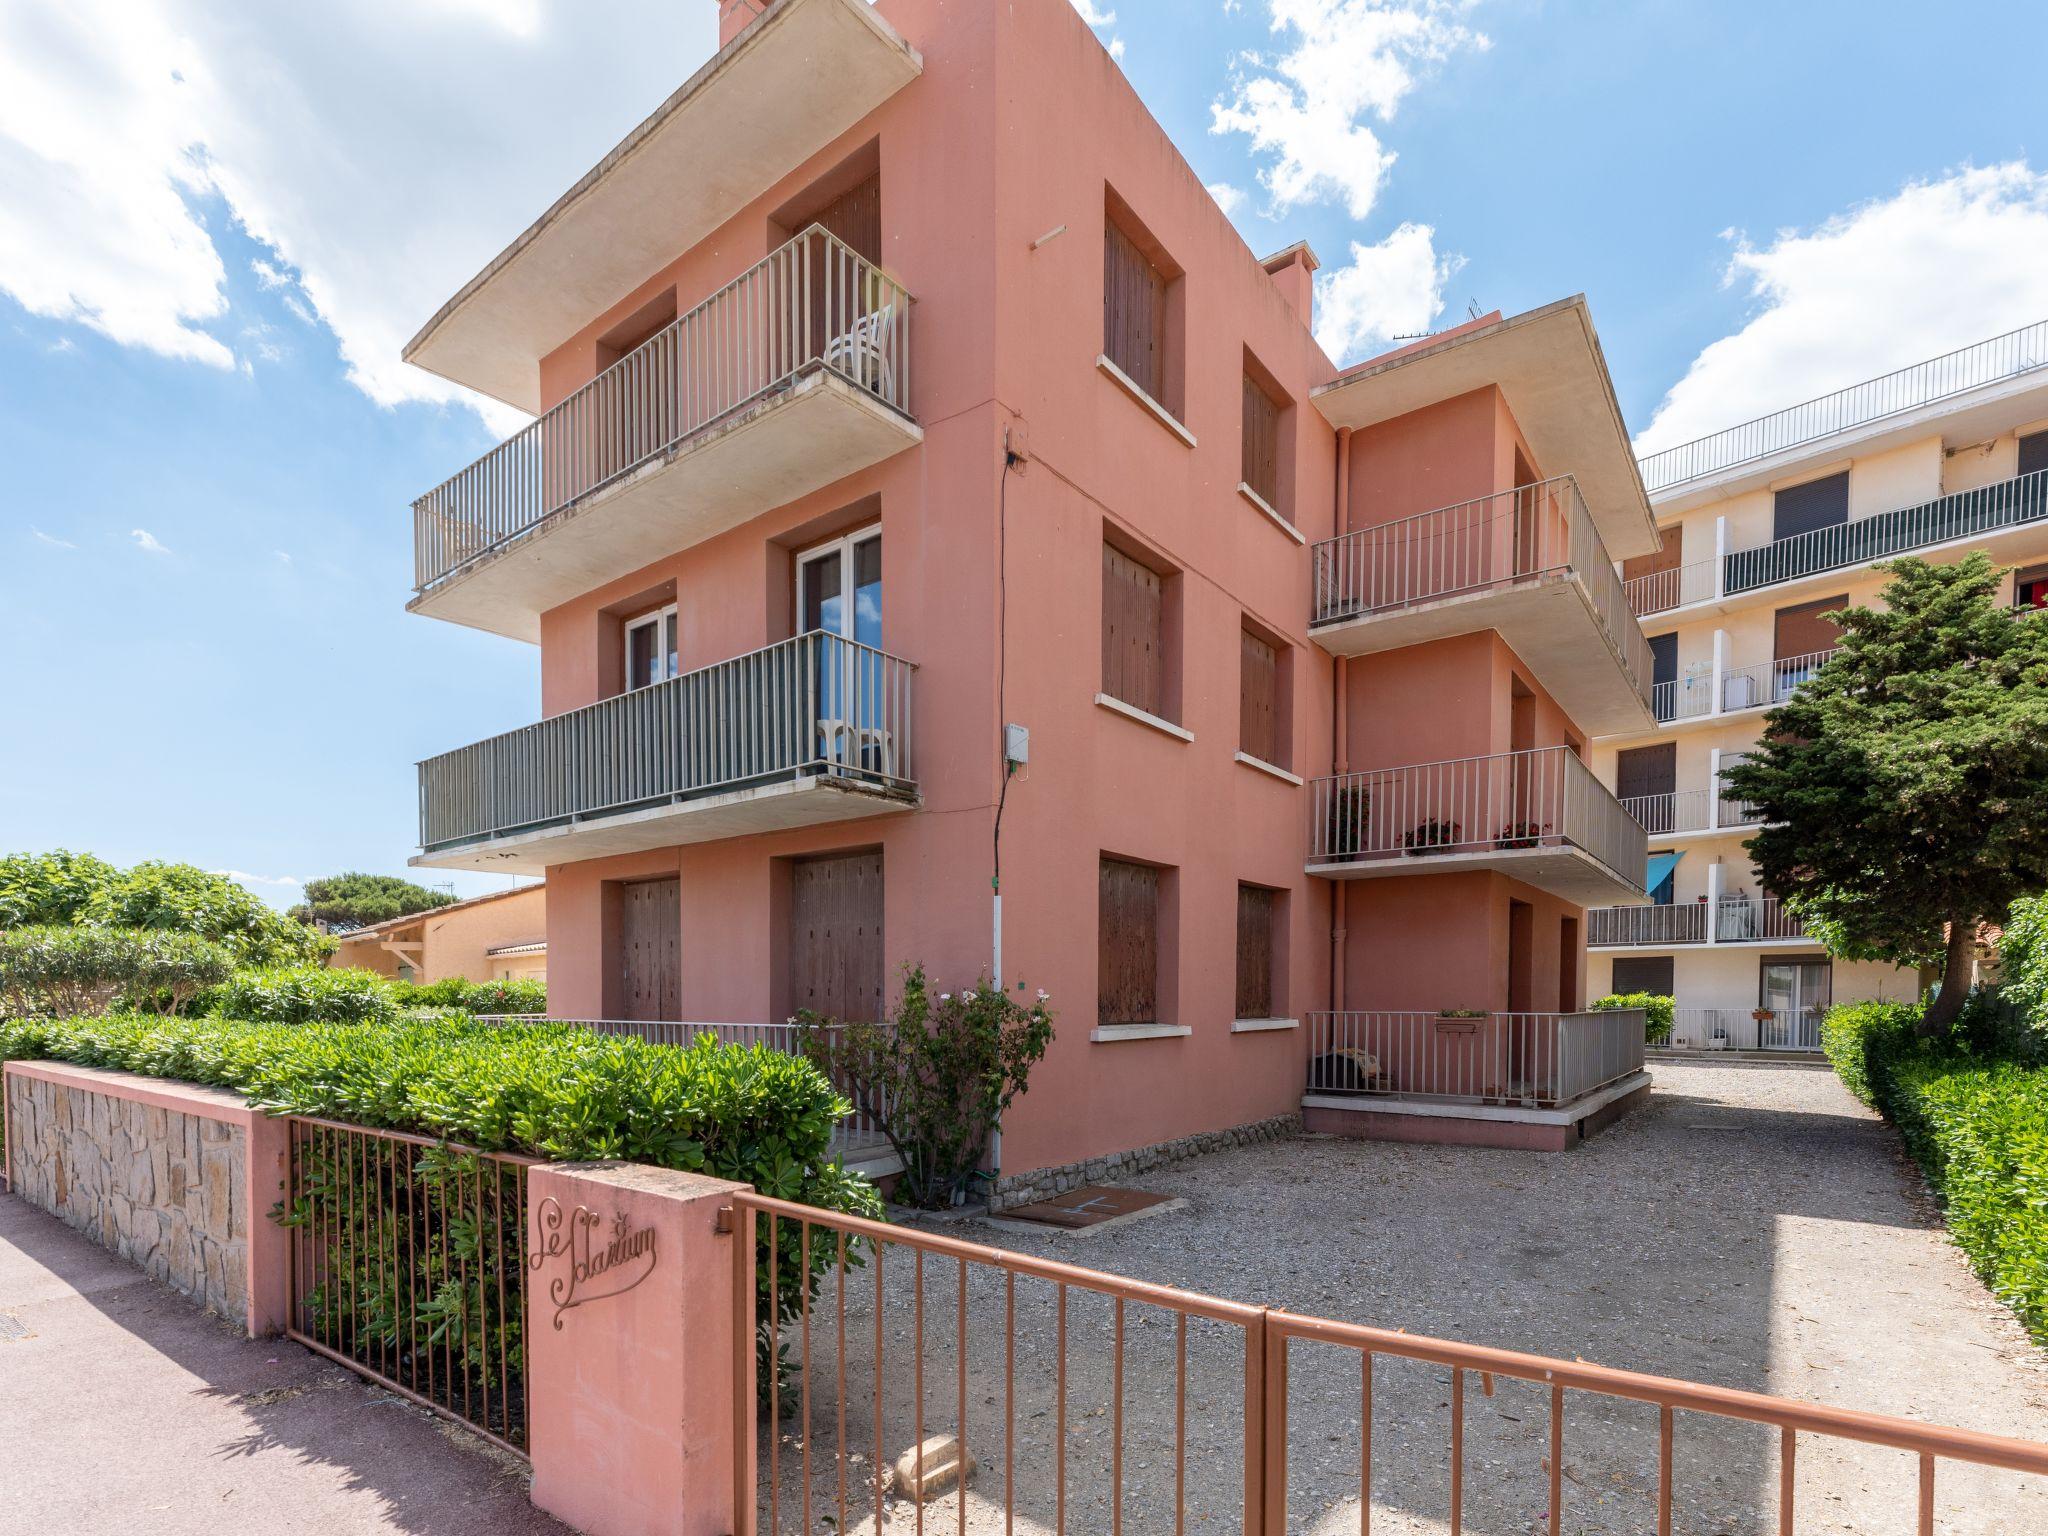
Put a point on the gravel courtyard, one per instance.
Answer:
(1753, 1227)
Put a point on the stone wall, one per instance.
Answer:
(1044, 1183)
(166, 1190)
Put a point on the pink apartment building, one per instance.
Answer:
(926, 473)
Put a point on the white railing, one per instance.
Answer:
(814, 705)
(1481, 545)
(1540, 798)
(1970, 367)
(1745, 919)
(1681, 810)
(1543, 1059)
(1673, 923)
(1684, 698)
(1739, 1029)
(811, 304)
(1675, 588)
(1788, 672)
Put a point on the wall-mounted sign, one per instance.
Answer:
(601, 1264)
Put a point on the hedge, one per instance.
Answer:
(60, 970)
(1975, 1117)
(508, 994)
(1657, 1012)
(320, 994)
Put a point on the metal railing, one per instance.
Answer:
(1091, 1401)
(814, 705)
(1753, 918)
(1542, 1059)
(1740, 1029)
(1684, 698)
(1985, 362)
(1492, 542)
(1545, 797)
(811, 304)
(1680, 810)
(1984, 509)
(407, 1263)
(1678, 922)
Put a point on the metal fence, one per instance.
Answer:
(1741, 919)
(811, 304)
(817, 704)
(1740, 1029)
(1545, 797)
(1541, 1059)
(1090, 1401)
(1494, 541)
(1683, 698)
(407, 1261)
(1671, 923)
(1971, 367)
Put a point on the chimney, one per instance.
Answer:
(1294, 274)
(734, 15)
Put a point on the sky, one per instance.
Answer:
(220, 222)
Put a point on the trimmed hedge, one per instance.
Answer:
(1975, 1117)
(59, 970)
(509, 994)
(320, 994)
(1657, 1012)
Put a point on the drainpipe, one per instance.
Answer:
(1340, 732)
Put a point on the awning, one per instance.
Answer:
(1661, 865)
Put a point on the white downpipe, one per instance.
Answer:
(1714, 790)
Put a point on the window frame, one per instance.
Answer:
(667, 659)
(842, 549)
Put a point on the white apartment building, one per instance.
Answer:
(1767, 527)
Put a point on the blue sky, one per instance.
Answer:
(217, 226)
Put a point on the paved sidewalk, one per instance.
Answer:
(123, 1407)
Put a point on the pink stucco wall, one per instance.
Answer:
(979, 163)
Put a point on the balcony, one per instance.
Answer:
(809, 731)
(1538, 1060)
(1740, 1029)
(1540, 817)
(792, 376)
(1704, 694)
(1690, 810)
(1527, 563)
(1734, 920)
(787, 87)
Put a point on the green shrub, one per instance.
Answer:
(40, 889)
(1657, 1012)
(179, 898)
(304, 994)
(57, 970)
(507, 995)
(1863, 1039)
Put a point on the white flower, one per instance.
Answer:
(1043, 995)
(945, 997)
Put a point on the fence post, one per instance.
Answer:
(632, 1351)
(1273, 1429)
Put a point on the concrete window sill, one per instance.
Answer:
(1108, 1034)
(1264, 507)
(1262, 1026)
(1131, 387)
(1117, 706)
(1265, 767)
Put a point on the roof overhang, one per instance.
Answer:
(1549, 365)
(797, 78)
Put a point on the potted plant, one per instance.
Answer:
(1430, 836)
(1718, 1041)
(1521, 834)
(1350, 808)
(1763, 1015)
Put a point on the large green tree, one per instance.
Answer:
(1904, 789)
(355, 900)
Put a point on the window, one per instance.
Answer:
(1261, 731)
(1645, 782)
(1817, 504)
(839, 588)
(651, 648)
(1644, 973)
(1265, 442)
(2034, 453)
(1257, 912)
(2030, 586)
(1664, 676)
(1141, 304)
(1127, 983)
(1133, 633)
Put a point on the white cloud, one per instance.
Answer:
(1347, 60)
(382, 150)
(1394, 288)
(243, 877)
(52, 540)
(146, 540)
(1228, 198)
(1936, 266)
(1094, 15)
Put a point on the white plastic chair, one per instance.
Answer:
(864, 351)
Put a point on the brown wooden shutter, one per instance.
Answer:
(1822, 503)
(1133, 311)
(1127, 988)
(1669, 558)
(855, 216)
(835, 936)
(2033, 453)
(1258, 716)
(1642, 771)
(650, 949)
(1133, 606)
(1255, 908)
(1804, 630)
(1261, 442)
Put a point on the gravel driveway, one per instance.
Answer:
(1752, 1227)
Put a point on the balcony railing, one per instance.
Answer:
(1541, 1059)
(1752, 687)
(1971, 367)
(1739, 1029)
(1748, 919)
(1677, 923)
(1483, 545)
(1689, 810)
(1541, 798)
(817, 705)
(812, 304)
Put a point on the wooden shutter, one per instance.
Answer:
(1133, 605)
(1261, 442)
(1258, 714)
(1127, 986)
(1641, 771)
(2033, 453)
(855, 216)
(1669, 558)
(1255, 909)
(1133, 311)
(1663, 659)
(1817, 504)
(650, 949)
(1804, 630)
(835, 936)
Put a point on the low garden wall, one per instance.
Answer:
(1044, 1183)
